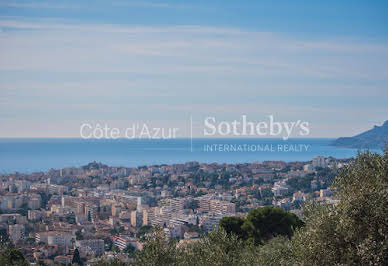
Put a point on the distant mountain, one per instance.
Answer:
(375, 138)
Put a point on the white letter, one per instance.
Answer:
(227, 127)
(271, 127)
(209, 125)
(304, 126)
(244, 126)
(234, 125)
(145, 131)
(259, 126)
(114, 133)
(106, 130)
(156, 133)
(289, 130)
(82, 129)
(99, 129)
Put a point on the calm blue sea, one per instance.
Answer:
(29, 155)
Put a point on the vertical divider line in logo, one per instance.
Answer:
(191, 133)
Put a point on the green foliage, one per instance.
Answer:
(11, 257)
(233, 225)
(300, 183)
(266, 193)
(3, 236)
(277, 251)
(157, 251)
(327, 174)
(108, 244)
(41, 263)
(143, 231)
(218, 248)
(262, 224)
(353, 232)
(130, 250)
(199, 193)
(70, 219)
(79, 235)
(77, 258)
(45, 199)
(23, 209)
(194, 204)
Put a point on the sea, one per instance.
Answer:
(41, 154)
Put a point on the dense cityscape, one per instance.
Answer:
(104, 212)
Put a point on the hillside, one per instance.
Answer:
(375, 138)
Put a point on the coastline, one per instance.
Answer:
(34, 155)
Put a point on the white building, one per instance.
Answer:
(319, 161)
(325, 192)
(55, 238)
(136, 218)
(22, 185)
(16, 232)
(96, 245)
(279, 189)
(308, 168)
(34, 202)
(35, 214)
(222, 207)
(210, 221)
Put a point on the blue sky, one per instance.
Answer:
(63, 63)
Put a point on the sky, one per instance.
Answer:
(65, 63)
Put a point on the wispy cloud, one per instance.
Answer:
(40, 5)
(79, 5)
(69, 70)
(148, 4)
(185, 49)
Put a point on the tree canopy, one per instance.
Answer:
(355, 230)
(262, 224)
(11, 257)
(77, 258)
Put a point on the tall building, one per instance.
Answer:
(210, 221)
(116, 209)
(16, 232)
(319, 161)
(148, 216)
(222, 207)
(204, 202)
(136, 218)
(34, 202)
(139, 202)
(22, 185)
(55, 238)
